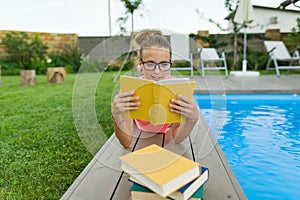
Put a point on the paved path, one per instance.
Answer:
(263, 84)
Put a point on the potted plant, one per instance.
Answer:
(24, 50)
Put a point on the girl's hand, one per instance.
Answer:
(123, 102)
(185, 107)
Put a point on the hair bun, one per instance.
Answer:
(140, 36)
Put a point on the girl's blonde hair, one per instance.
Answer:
(151, 38)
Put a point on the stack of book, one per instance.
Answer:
(157, 173)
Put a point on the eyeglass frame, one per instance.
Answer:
(156, 64)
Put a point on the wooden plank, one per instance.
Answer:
(222, 183)
(99, 178)
(148, 138)
(145, 139)
(184, 148)
(103, 179)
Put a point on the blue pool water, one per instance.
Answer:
(260, 137)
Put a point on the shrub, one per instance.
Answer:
(23, 50)
(293, 38)
(68, 55)
(92, 65)
(112, 68)
(9, 68)
(40, 65)
(257, 59)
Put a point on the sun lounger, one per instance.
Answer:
(278, 53)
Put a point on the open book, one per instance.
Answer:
(155, 97)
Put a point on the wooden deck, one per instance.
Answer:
(103, 179)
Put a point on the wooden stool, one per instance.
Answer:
(56, 74)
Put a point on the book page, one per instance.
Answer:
(173, 80)
(142, 88)
(170, 91)
(155, 97)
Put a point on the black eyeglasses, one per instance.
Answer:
(150, 65)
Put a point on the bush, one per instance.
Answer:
(112, 68)
(293, 38)
(257, 59)
(128, 66)
(23, 50)
(180, 64)
(9, 68)
(92, 65)
(40, 65)
(68, 55)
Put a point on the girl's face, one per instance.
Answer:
(157, 55)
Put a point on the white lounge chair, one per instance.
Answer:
(210, 60)
(278, 53)
(180, 45)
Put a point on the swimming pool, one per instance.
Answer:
(260, 137)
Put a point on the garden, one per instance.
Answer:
(41, 152)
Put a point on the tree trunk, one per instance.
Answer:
(28, 77)
(132, 46)
(56, 74)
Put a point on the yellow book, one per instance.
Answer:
(155, 97)
(159, 169)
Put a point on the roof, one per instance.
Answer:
(286, 3)
(277, 9)
(267, 8)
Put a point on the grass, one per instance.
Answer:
(41, 151)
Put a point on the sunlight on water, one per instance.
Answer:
(260, 136)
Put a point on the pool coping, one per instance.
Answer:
(248, 91)
(264, 84)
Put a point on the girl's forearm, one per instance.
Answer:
(182, 131)
(123, 131)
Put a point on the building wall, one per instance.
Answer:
(87, 44)
(265, 18)
(271, 18)
(54, 41)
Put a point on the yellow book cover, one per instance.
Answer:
(159, 169)
(155, 97)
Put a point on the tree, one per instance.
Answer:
(293, 38)
(23, 49)
(229, 5)
(131, 6)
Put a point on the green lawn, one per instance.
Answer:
(41, 152)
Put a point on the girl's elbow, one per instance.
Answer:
(177, 140)
(127, 143)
